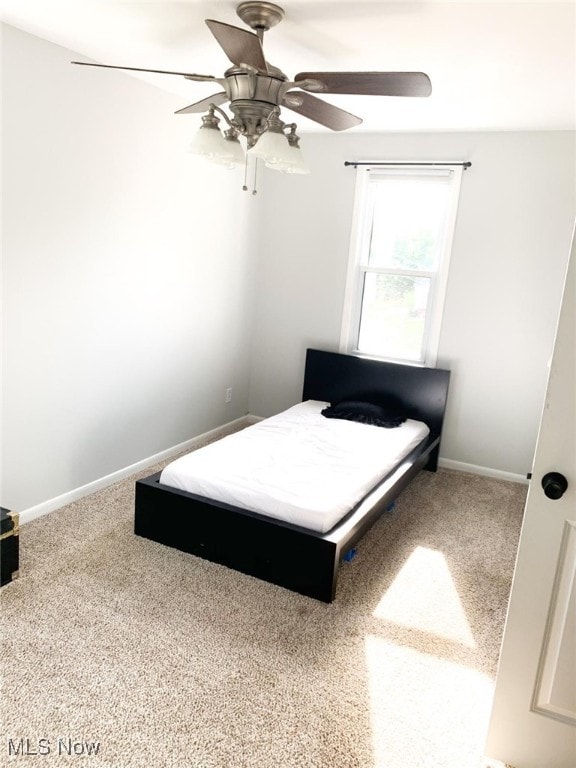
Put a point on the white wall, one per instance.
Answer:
(126, 280)
(516, 214)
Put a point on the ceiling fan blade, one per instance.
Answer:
(367, 83)
(241, 46)
(202, 106)
(187, 75)
(320, 111)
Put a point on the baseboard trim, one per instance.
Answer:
(44, 508)
(474, 469)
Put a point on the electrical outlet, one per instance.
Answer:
(228, 395)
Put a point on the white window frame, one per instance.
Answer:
(361, 224)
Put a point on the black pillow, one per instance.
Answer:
(366, 413)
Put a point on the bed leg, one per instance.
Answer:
(322, 584)
(432, 463)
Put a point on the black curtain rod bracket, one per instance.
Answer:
(355, 164)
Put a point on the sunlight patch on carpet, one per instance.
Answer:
(424, 710)
(423, 596)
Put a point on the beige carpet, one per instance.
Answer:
(163, 659)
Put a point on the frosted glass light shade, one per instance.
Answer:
(295, 161)
(273, 148)
(209, 143)
(234, 153)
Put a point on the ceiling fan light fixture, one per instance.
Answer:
(208, 141)
(295, 162)
(272, 147)
(234, 154)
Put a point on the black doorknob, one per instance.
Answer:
(554, 485)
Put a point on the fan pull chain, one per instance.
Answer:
(245, 187)
(254, 190)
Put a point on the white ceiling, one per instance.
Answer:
(494, 65)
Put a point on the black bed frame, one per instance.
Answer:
(293, 557)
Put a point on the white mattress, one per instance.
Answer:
(297, 466)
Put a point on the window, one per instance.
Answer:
(402, 235)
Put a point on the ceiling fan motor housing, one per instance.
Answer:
(254, 96)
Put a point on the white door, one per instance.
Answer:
(533, 722)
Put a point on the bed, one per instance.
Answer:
(286, 544)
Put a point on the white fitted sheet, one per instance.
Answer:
(297, 466)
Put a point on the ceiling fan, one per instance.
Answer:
(254, 87)
(256, 90)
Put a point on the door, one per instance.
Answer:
(533, 722)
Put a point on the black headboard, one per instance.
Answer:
(333, 377)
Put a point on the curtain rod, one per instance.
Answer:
(355, 163)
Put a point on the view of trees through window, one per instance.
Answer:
(403, 241)
(393, 315)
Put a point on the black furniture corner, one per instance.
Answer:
(9, 549)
